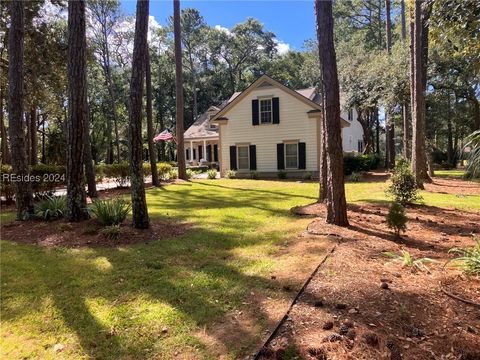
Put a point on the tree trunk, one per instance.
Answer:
(44, 153)
(365, 121)
(6, 158)
(33, 136)
(150, 133)
(77, 110)
(377, 130)
(419, 160)
(449, 133)
(405, 107)
(389, 124)
(23, 189)
(139, 203)
(336, 203)
(402, 20)
(89, 168)
(182, 174)
(322, 197)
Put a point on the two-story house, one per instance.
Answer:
(266, 128)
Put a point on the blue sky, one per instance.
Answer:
(292, 21)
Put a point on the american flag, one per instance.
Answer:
(163, 136)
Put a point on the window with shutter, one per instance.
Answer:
(291, 155)
(243, 159)
(266, 111)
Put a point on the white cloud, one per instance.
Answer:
(224, 29)
(282, 48)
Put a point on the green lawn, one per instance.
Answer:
(114, 303)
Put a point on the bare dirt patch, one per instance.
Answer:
(362, 305)
(87, 233)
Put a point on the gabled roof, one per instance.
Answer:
(237, 97)
(201, 127)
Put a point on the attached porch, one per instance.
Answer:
(201, 151)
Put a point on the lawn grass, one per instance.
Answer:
(115, 303)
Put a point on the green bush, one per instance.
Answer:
(99, 172)
(47, 178)
(173, 174)
(396, 218)
(147, 169)
(111, 232)
(354, 177)
(212, 174)
(307, 176)
(53, 207)
(282, 174)
(403, 187)
(163, 170)
(253, 175)
(231, 174)
(359, 163)
(120, 173)
(189, 174)
(110, 212)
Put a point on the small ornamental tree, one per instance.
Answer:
(396, 218)
(403, 187)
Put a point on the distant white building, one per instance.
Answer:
(266, 128)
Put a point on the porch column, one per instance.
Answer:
(204, 150)
(191, 151)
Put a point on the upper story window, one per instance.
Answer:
(265, 111)
(350, 114)
(360, 146)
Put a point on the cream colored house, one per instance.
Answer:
(267, 128)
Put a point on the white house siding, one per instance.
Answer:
(352, 134)
(294, 125)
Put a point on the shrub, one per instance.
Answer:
(469, 258)
(120, 173)
(189, 174)
(403, 187)
(47, 178)
(354, 177)
(396, 218)
(62, 227)
(307, 176)
(53, 207)
(147, 169)
(173, 174)
(253, 175)
(110, 212)
(111, 232)
(359, 163)
(282, 174)
(212, 174)
(231, 174)
(163, 170)
(99, 172)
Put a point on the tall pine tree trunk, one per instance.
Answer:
(23, 189)
(182, 173)
(139, 203)
(150, 133)
(89, 168)
(322, 197)
(419, 158)
(6, 159)
(336, 203)
(77, 111)
(33, 136)
(405, 105)
(389, 123)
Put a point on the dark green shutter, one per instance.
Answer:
(280, 157)
(276, 110)
(233, 158)
(254, 112)
(215, 152)
(200, 152)
(253, 157)
(302, 156)
(187, 154)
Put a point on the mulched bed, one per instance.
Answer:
(362, 305)
(86, 233)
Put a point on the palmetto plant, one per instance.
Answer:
(110, 212)
(53, 207)
(409, 261)
(468, 260)
(473, 143)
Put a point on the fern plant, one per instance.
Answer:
(110, 212)
(409, 261)
(53, 207)
(468, 258)
(212, 174)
